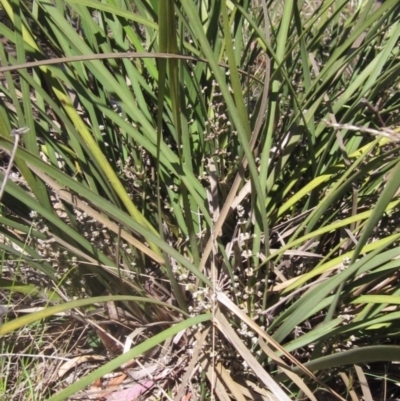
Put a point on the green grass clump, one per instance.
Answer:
(198, 161)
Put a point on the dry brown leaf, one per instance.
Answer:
(286, 369)
(75, 362)
(116, 381)
(350, 389)
(235, 309)
(230, 383)
(187, 397)
(261, 394)
(363, 384)
(112, 385)
(112, 344)
(212, 377)
(95, 385)
(112, 310)
(200, 338)
(226, 329)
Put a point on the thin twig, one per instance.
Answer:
(16, 133)
(118, 55)
(272, 308)
(385, 132)
(58, 358)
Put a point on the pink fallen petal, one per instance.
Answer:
(132, 393)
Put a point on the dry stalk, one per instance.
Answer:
(16, 133)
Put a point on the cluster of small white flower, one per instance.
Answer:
(201, 301)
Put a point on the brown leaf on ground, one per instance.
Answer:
(74, 362)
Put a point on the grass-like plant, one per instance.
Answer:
(226, 168)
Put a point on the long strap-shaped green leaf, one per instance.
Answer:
(34, 185)
(384, 200)
(375, 353)
(167, 43)
(115, 10)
